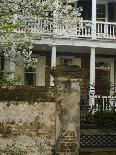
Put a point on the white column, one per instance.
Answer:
(53, 63)
(92, 76)
(93, 19)
(12, 63)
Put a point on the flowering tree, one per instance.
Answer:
(16, 38)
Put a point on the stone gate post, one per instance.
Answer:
(67, 96)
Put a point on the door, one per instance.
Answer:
(102, 81)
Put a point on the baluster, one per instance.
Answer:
(98, 30)
(114, 103)
(101, 28)
(89, 31)
(113, 31)
(103, 103)
(80, 29)
(104, 30)
(108, 104)
(99, 103)
(95, 107)
(110, 31)
(83, 29)
(107, 30)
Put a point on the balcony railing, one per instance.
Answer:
(105, 103)
(67, 29)
(106, 30)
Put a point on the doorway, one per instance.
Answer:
(102, 81)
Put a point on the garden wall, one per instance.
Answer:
(27, 125)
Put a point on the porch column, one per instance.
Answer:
(53, 63)
(12, 63)
(92, 76)
(93, 19)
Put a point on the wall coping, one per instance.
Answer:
(27, 93)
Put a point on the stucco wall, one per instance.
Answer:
(27, 128)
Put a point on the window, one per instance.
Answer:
(30, 76)
(101, 12)
(66, 61)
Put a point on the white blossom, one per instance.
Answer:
(17, 16)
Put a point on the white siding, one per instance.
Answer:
(40, 80)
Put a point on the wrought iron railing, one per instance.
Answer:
(98, 120)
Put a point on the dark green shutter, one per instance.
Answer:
(87, 9)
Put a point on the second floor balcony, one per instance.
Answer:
(70, 28)
(99, 17)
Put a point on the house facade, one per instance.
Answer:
(90, 45)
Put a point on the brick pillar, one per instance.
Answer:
(67, 96)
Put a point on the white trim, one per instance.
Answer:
(94, 19)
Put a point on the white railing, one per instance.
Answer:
(69, 28)
(106, 30)
(37, 26)
(105, 102)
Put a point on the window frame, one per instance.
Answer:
(32, 73)
(103, 19)
(66, 57)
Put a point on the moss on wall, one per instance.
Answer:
(27, 93)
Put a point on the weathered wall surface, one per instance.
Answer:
(27, 128)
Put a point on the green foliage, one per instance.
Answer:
(6, 80)
(10, 27)
(105, 117)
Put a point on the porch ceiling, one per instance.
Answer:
(73, 49)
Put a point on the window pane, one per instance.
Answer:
(101, 12)
(30, 76)
(65, 61)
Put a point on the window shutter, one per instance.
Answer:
(87, 9)
(111, 12)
